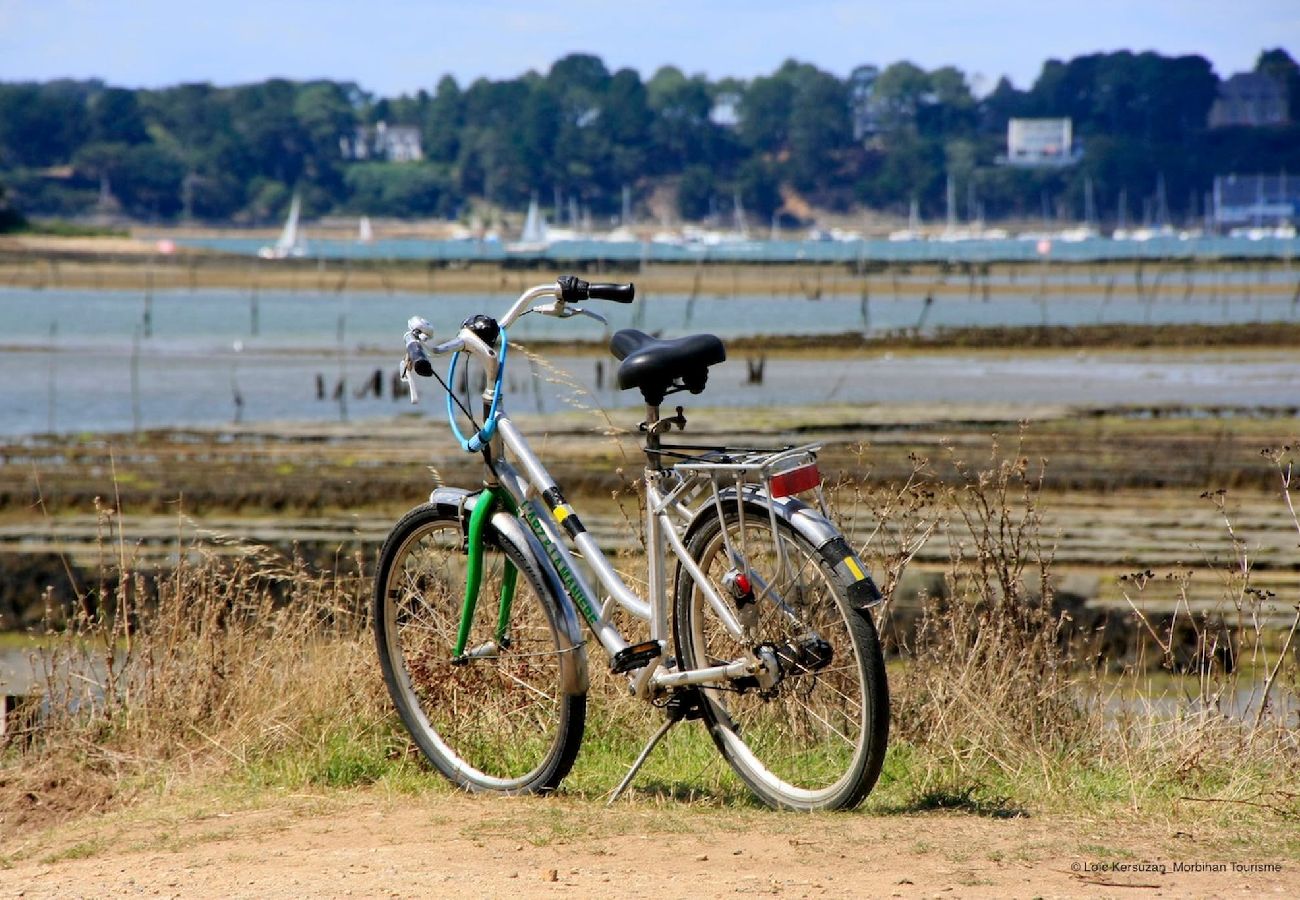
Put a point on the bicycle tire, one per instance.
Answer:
(803, 745)
(500, 723)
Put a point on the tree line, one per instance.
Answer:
(581, 136)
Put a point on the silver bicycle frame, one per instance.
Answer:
(665, 491)
(662, 535)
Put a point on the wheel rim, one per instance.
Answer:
(806, 741)
(495, 721)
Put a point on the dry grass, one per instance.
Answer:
(220, 664)
(1005, 701)
(252, 667)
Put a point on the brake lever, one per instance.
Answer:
(404, 372)
(564, 311)
(579, 311)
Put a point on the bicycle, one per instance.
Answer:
(770, 639)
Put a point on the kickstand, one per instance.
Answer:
(684, 704)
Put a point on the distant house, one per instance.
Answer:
(1258, 200)
(391, 143)
(726, 110)
(1041, 143)
(1250, 98)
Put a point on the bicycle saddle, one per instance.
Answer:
(654, 365)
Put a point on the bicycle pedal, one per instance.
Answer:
(634, 657)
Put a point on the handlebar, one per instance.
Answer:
(419, 359)
(565, 290)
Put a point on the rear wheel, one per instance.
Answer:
(816, 738)
(498, 721)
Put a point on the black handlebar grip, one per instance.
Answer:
(573, 289)
(619, 293)
(420, 361)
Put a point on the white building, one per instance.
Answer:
(392, 143)
(1041, 142)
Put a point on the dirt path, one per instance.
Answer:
(366, 846)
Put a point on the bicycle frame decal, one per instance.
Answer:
(571, 585)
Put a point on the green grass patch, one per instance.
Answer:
(339, 755)
(79, 850)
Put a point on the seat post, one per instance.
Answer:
(653, 459)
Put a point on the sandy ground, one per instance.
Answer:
(358, 844)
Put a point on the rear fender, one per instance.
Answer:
(812, 526)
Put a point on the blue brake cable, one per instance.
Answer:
(476, 443)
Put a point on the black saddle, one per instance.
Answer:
(660, 367)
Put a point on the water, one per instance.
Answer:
(784, 251)
(212, 319)
(77, 361)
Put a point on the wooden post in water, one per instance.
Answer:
(235, 394)
(695, 292)
(51, 371)
(864, 306)
(135, 381)
(925, 312)
(341, 393)
(147, 317)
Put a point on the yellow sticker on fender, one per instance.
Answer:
(853, 567)
(561, 513)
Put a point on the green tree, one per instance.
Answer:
(399, 189)
(759, 186)
(680, 132)
(765, 112)
(43, 124)
(1279, 65)
(695, 192)
(443, 122)
(819, 128)
(900, 91)
(11, 219)
(115, 117)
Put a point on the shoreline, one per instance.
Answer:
(38, 262)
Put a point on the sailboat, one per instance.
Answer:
(535, 236)
(913, 230)
(290, 243)
(365, 234)
(1088, 230)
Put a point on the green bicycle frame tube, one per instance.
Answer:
(483, 509)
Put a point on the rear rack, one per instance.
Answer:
(769, 468)
(750, 474)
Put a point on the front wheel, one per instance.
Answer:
(498, 719)
(815, 739)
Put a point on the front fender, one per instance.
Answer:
(573, 658)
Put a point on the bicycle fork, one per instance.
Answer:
(483, 509)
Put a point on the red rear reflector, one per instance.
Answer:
(792, 481)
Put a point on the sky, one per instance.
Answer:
(401, 46)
